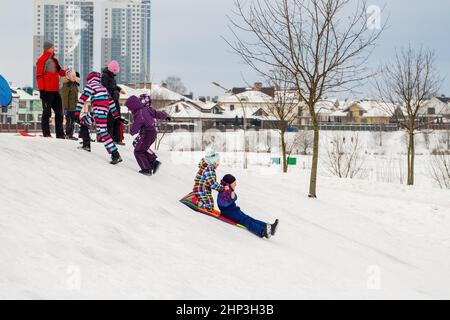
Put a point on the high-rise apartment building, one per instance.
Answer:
(126, 37)
(69, 25)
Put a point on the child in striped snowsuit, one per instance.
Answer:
(101, 104)
(206, 181)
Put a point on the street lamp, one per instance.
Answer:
(245, 162)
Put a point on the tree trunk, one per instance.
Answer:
(284, 151)
(411, 157)
(315, 161)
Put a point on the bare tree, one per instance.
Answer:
(440, 167)
(283, 108)
(323, 50)
(306, 140)
(345, 159)
(175, 84)
(411, 80)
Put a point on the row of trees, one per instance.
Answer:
(320, 48)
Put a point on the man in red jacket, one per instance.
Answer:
(48, 72)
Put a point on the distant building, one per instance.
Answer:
(24, 108)
(69, 25)
(126, 38)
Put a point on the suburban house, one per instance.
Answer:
(198, 115)
(26, 107)
(161, 95)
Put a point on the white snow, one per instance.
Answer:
(73, 226)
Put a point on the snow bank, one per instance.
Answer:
(72, 226)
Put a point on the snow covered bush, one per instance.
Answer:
(345, 158)
(440, 168)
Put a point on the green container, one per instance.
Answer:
(292, 161)
(276, 160)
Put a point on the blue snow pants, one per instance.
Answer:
(254, 226)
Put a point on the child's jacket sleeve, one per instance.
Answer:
(225, 200)
(211, 180)
(87, 93)
(113, 109)
(160, 115)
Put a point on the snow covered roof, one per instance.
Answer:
(21, 94)
(157, 92)
(194, 110)
(251, 96)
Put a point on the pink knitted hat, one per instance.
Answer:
(114, 67)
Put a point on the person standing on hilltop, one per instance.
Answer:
(48, 72)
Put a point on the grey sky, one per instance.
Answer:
(187, 40)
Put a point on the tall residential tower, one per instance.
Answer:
(126, 37)
(69, 25)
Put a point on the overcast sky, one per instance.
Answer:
(187, 40)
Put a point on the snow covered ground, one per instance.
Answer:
(72, 226)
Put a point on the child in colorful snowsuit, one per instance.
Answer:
(206, 181)
(228, 209)
(101, 104)
(144, 123)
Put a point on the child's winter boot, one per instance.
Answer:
(274, 227)
(155, 165)
(115, 157)
(146, 172)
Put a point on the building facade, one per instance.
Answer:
(69, 25)
(126, 38)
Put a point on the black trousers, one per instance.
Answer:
(52, 101)
(114, 125)
(70, 123)
(85, 135)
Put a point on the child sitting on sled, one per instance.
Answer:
(228, 209)
(206, 181)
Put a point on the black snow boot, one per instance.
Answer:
(155, 165)
(115, 157)
(86, 145)
(146, 172)
(274, 227)
(88, 148)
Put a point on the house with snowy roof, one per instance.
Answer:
(190, 114)
(436, 110)
(26, 107)
(161, 95)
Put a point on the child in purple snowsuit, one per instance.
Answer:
(144, 123)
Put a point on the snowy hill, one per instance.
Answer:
(73, 226)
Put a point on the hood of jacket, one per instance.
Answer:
(134, 104)
(93, 77)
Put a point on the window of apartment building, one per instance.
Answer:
(30, 117)
(431, 111)
(22, 117)
(232, 107)
(22, 104)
